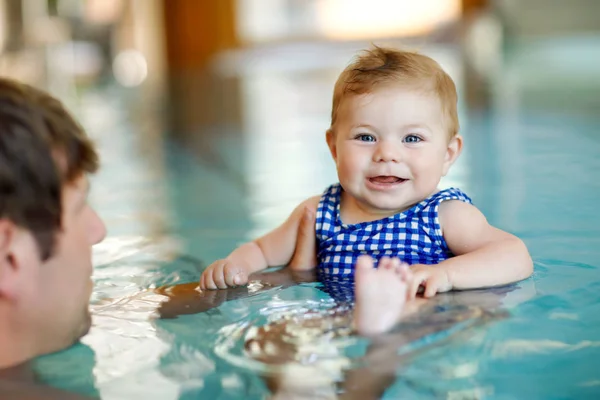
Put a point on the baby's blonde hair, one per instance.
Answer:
(380, 66)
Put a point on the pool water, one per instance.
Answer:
(171, 207)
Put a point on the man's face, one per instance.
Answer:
(61, 286)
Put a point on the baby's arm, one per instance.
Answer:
(485, 256)
(273, 249)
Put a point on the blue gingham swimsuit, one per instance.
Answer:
(414, 235)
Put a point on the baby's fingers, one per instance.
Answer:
(206, 280)
(218, 276)
(201, 283)
(432, 286)
(235, 276)
(413, 285)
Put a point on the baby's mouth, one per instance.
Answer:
(386, 179)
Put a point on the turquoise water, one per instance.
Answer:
(171, 207)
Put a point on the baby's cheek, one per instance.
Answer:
(349, 169)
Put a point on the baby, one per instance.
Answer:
(393, 136)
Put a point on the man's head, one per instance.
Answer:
(46, 226)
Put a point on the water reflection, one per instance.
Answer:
(123, 335)
(292, 343)
(73, 371)
(307, 350)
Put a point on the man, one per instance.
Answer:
(46, 226)
(47, 230)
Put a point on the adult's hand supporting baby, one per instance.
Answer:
(305, 255)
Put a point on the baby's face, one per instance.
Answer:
(391, 148)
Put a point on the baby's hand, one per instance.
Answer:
(433, 278)
(223, 274)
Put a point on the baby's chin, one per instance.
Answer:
(388, 202)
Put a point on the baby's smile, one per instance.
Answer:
(383, 182)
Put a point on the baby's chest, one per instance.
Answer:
(395, 236)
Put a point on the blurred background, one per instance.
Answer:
(210, 114)
(210, 117)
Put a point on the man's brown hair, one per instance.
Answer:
(42, 148)
(383, 66)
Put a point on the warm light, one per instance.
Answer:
(103, 11)
(357, 19)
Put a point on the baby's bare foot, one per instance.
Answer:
(380, 294)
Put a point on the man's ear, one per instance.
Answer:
(452, 152)
(330, 137)
(9, 271)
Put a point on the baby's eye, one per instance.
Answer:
(364, 137)
(412, 139)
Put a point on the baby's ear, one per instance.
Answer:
(452, 152)
(330, 137)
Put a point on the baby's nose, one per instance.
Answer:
(387, 152)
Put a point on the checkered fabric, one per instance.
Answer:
(339, 287)
(414, 235)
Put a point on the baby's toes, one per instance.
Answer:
(395, 263)
(385, 263)
(403, 270)
(364, 263)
